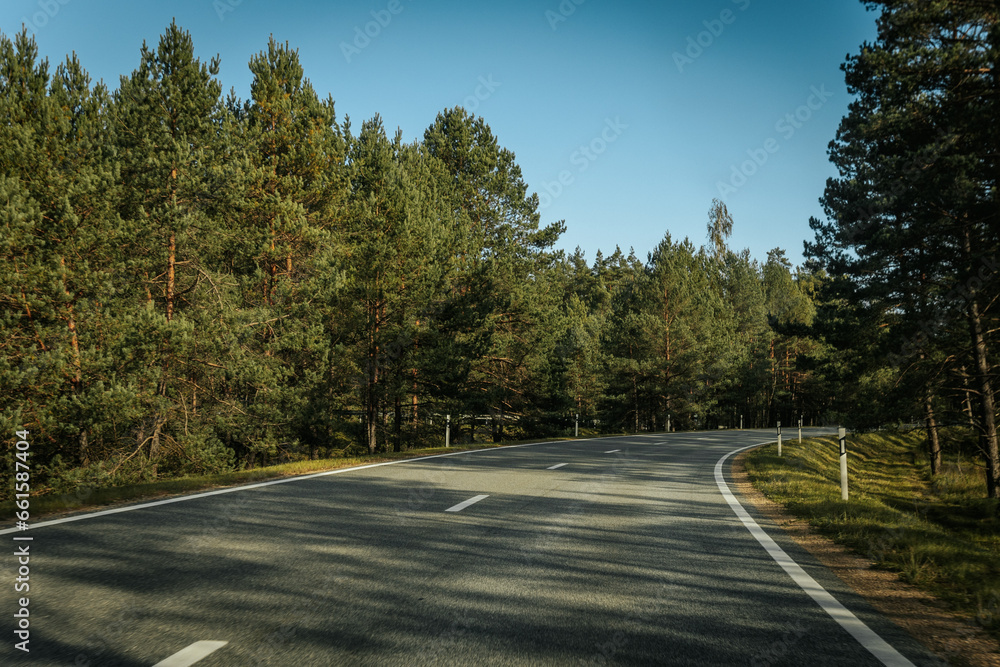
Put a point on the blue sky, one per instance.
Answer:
(624, 116)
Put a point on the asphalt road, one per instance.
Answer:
(630, 557)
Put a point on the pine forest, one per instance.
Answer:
(192, 283)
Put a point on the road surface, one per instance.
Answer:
(607, 551)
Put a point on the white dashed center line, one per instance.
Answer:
(612, 451)
(191, 654)
(465, 503)
(558, 465)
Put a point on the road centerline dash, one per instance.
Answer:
(191, 654)
(558, 465)
(465, 503)
(612, 451)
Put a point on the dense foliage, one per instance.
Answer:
(913, 228)
(195, 284)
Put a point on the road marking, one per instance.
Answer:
(258, 485)
(283, 480)
(847, 620)
(612, 451)
(462, 505)
(191, 654)
(558, 465)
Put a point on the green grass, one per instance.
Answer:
(940, 534)
(90, 497)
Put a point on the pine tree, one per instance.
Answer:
(167, 113)
(281, 248)
(504, 262)
(60, 244)
(397, 264)
(912, 220)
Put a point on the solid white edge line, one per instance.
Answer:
(258, 485)
(558, 465)
(465, 503)
(191, 654)
(847, 620)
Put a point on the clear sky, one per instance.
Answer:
(626, 117)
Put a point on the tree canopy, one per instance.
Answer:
(195, 283)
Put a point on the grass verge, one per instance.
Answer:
(89, 498)
(939, 534)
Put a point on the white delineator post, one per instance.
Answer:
(741, 422)
(779, 438)
(447, 431)
(800, 430)
(842, 435)
(576, 427)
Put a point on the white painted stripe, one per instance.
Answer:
(847, 620)
(462, 505)
(612, 451)
(258, 485)
(191, 654)
(558, 465)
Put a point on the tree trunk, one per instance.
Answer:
(933, 443)
(397, 443)
(987, 419)
(415, 403)
(371, 394)
(154, 447)
(635, 393)
(371, 415)
(967, 402)
(76, 383)
(171, 260)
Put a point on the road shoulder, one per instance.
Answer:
(953, 637)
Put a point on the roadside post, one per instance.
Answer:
(842, 435)
(668, 422)
(800, 429)
(779, 439)
(447, 431)
(741, 422)
(576, 426)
